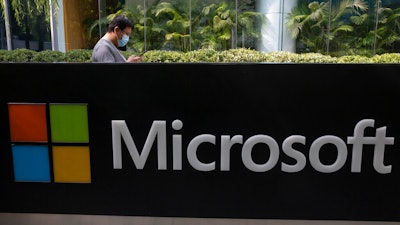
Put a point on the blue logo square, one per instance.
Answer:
(31, 163)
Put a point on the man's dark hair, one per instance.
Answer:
(120, 21)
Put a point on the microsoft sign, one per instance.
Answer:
(201, 140)
(158, 133)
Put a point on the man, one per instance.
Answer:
(118, 32)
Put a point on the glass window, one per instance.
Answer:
(334, 27)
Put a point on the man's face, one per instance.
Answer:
(120, 33)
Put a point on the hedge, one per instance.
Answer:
(240, 55)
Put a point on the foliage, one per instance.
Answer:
(176, 24)
(355, 27)
(319, 24)
(78, 55)
(164, 56)
(21, 55)
(32, 16)
(4, 55)
(25, 9)
(353, 59)
(314, 58)
(281, 57)
(338, 28)
(389, 31)
(202, 55)
(386, 58)
(240, 55)
(170, 26)
(49, 56)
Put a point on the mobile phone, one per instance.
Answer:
(141, 54)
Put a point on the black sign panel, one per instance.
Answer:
(269, 141)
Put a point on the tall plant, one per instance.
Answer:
(184, 25)
(33, 16)
(147, 31)
(175, 18)
(317, 24)
(216, 26)
(389, 31)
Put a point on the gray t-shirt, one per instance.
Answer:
(105, 51)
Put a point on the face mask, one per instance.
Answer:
(124, 40)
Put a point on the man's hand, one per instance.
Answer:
(133, 58)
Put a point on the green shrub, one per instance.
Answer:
(239, 55)
(20, 55)
(314, 58)
(353, 59)
(78, 55)
(4, 55)
(164, 56)
(281, 57)
(202, 55)
(49, 56)
(386, 58)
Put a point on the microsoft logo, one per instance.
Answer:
(50, 141)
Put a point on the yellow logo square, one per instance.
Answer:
(71, 164)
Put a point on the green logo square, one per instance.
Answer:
(69, 123)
